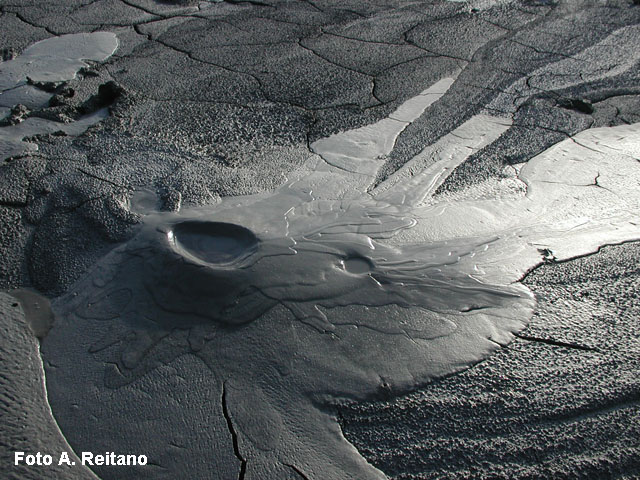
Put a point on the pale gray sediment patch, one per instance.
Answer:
(27, 95)
(144, 202)
(363, 151)
(17, 139)
(437, 161)
(345, 163)
(320, 291)
(581, 193)
(56, 59)
(48, 62)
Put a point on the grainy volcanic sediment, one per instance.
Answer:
(323, 240)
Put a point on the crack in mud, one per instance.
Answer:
(234, 434)
(299, 472)
(557, 343)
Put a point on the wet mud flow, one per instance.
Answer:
(333, 286)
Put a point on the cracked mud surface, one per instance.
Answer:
(560, 402)
(216, 99)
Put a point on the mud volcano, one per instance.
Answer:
(281, 305)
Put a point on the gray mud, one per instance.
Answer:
(27, 423)
(581, 345)
(285, 206)
(298, 301)
(29, 80)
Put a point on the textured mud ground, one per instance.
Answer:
(560, 402)
(221, 99)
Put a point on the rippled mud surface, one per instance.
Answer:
(328, 288)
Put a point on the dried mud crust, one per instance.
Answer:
(194, 120)
(563, 401)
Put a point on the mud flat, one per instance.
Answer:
(254, 220)
(282, 295)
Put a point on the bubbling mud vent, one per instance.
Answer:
(218, 338)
